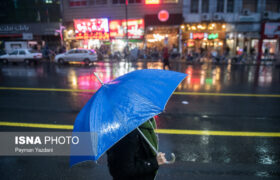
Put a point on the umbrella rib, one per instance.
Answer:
(153, 148)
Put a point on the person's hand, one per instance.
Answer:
(161, 158)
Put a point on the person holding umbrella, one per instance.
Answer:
(117, 120)
(132, 157)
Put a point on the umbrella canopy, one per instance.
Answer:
(121, 105)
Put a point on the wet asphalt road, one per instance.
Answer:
(198, 156)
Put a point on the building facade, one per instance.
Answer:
(31, 21)
(234, 25)
(150, 23)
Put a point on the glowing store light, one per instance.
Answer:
(205, 36)
(158, 37)
(152, 1)
(70, 32)
(213, 36)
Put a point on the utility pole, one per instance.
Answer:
(260, 53)
(261, 8)
(126, 23)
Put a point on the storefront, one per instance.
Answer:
(34, 34)
(207, 37)
(246, 38)
(163, 29)
(135, 34)
(88, 33)
(102, 33)
(271, 42)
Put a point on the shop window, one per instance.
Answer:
(48, 1)
(220, 5)
(101, 1)
(250, 5)
(205, 6)
(92, 2)
(123, 1)
(77, 3)
(194, 6)
(272, 5)
(169, 1)
(15, 4)
(230, 6)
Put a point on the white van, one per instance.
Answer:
(10, 46)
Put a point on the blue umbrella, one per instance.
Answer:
(120, 106)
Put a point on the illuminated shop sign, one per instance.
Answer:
(93, 35)
(163, 15)
(135, 28)
(198, 35)
(213, 36)
(92, 28)
(272, 29)
(204, 36)
(152, 1)
(190, 44)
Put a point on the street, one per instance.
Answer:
(222, 122)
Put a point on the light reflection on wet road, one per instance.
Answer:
(198, 157)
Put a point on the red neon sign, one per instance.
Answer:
(135, 28)
(163, 15)
(198, 35)
(93, 35)
(92, 28)
(152, 1)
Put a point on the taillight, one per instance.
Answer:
(37, 56)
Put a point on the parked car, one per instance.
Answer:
(77, 55)
(21, 55)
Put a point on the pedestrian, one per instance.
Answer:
(132, 158)
(166, 58)
(227, 51)
(266, 52)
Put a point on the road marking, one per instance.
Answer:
(36, 125)
(218, 133)
(46, 89)
(176, 93)
(160, 131)
(227, 94)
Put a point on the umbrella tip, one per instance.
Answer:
(96, 75)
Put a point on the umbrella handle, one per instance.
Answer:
(173, 159)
